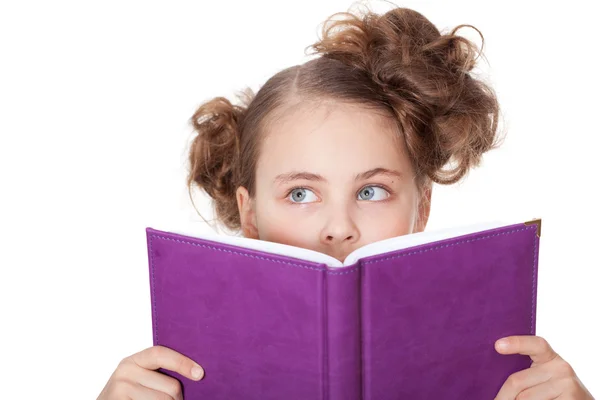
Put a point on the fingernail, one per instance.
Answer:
(502, 344)
(197, 372)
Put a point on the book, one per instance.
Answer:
(411, 317)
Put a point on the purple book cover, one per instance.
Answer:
(415, 322)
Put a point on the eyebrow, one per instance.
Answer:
(309, 176)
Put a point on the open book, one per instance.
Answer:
(414, 316)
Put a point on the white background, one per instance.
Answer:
(94, 106)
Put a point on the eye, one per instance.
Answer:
(375, 193)
(302, 195)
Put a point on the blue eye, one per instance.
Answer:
(373, 193)
(299, 195)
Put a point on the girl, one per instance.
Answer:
(342, 151)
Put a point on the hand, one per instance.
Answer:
(135, 379)
(549, 377)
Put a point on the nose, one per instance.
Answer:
(339, 229)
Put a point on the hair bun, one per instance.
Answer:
(446, 115)
(214, 153)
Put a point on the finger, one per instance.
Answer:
(139, 392)
(545, 391)
(162, 357)
(159, 382)
(523, 380)
(534, 346)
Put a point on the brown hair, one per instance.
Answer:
(397, 63)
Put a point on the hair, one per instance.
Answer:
(397, 64)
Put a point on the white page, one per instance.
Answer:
(415, 239)
(262, 245)
(383, 246)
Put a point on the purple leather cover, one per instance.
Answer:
(431, 315)
(414, 323)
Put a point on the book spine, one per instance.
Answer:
(342, 334)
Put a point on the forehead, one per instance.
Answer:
(327, 137)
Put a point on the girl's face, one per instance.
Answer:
(332, 178)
